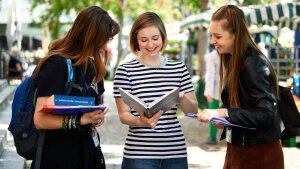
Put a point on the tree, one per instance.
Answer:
(124, 10)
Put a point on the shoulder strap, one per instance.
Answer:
(68, 87)
(39, 151)
(71, 78)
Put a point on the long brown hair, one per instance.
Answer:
(235, 23)
(91, 30)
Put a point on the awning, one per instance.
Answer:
(197, 21)
(281, 15)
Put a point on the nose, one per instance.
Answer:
(212, 41)
(150, 44)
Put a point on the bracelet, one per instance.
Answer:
(64, 124)
(73, 122)
(70, 122)
(77, 122)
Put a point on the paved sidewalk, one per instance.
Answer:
(200, 156)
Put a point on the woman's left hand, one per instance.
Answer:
(218, 125)
(207, 114)
(100, 121)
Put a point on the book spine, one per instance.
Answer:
(73, 100)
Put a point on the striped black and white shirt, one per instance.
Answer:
(166, 140)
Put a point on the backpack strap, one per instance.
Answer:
(68, 87)
(71, 78)
(39, 151)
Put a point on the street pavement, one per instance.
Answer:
(200, 156)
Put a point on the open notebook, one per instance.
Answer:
(164, 103)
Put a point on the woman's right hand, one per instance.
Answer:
(95, 117)
(152, 121)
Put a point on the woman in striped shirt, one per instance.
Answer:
(156, 142)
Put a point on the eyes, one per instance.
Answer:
(215, 36)
(154, 38)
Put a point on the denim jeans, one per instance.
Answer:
(171, 163)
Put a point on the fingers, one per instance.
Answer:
(152, 121)
(181, 95)
(96, 118)
(98, 123)
(205, 116)
(218, 125)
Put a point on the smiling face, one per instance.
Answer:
(150, 41)
(222, 39)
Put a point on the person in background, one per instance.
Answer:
(249, 95)
(211, 91)
(75, 146)
(15, 68)
(157, 142)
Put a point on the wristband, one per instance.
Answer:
(77, 122)
(64, 123)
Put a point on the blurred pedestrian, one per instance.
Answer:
(249, 95)
(211, 91)
(157, 142)
(15, 65)
(72, 142)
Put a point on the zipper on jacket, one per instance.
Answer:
(244, 138)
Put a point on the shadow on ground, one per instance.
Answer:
(196, 134)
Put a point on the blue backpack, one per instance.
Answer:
(27, 138)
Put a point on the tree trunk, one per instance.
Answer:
(46, 38)
(202, 42)
(120, 47)
(202, 49)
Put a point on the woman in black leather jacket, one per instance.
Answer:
(249, 94)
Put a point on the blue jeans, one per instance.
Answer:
(171, 163)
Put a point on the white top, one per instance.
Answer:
(212, 75)
(166, 140)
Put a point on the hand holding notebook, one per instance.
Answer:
(164, 103)
(221, 121)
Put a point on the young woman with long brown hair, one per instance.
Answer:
(249, 94)
(70, 147)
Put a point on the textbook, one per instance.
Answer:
(222, 121)
(164, 103)
(70, 110)
(70, 100)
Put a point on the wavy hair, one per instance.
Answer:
(91, 30)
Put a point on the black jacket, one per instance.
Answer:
(257, 100)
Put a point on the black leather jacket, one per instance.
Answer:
(258, 103)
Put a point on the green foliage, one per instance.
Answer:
(172, 42)
(171, 51)
(56, 8)
(193, 6)
(120, 8)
